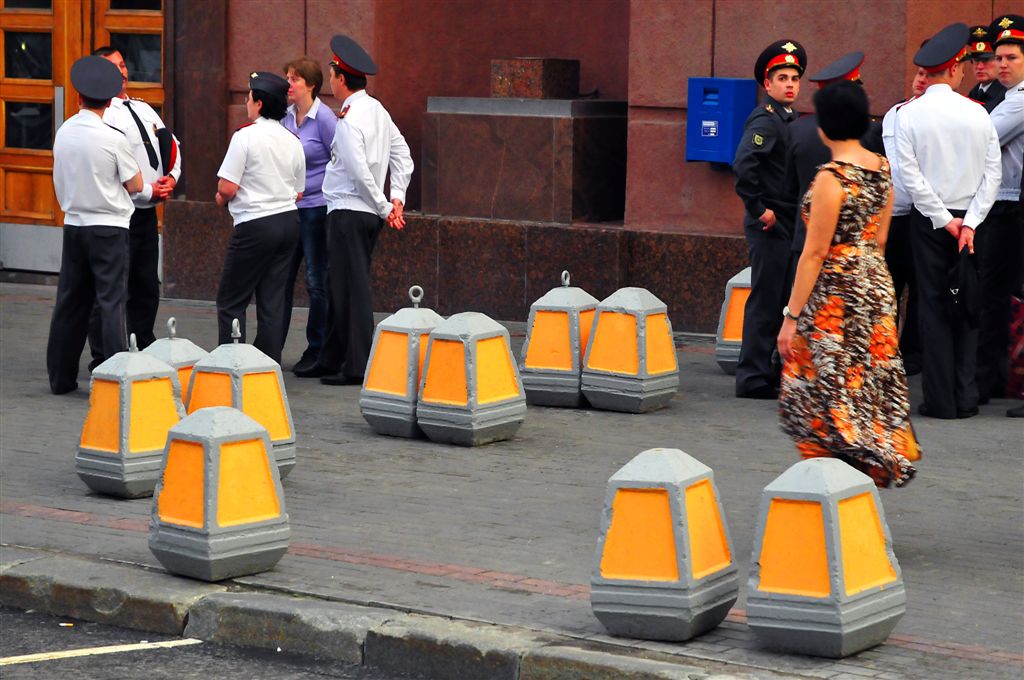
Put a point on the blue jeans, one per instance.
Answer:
(312, 247)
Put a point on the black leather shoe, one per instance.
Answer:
(1017, 412)
(339, 379)
(64, 389)
(928, 413)
(762, 392)
(966, 412)
(911, 366)
(306, 362)
(314, 371)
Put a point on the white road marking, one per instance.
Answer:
(94, 651)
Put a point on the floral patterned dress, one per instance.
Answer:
(844, 393)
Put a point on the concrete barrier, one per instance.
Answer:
(730, 322)
(178, 353)
(664, 568)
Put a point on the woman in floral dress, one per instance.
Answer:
(844, 393)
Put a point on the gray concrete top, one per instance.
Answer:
(176, 352)
(661, 465)
(545, 108)
(412, 319)
(633, 300)
(820, 477)
(466, 325)
(238, 356)
(133, 365)
(741, 278)
(219, 422)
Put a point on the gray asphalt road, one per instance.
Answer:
(35, 633)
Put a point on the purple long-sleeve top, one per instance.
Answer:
(316, 134)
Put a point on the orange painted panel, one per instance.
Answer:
(495, 377)
(245, 486)
(210, 389)
(184, 375)
(389, 372)
(793, 558)
(263, 401)
(865, 561)
(661, 351)
(102, 429)
(709, 548)
(181, 493)
(586, 325)
(640, 545)
(550, 346)
(153, 412)
(446, 374)
(732, 330)
(615, 345)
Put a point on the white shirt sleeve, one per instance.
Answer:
(126, 165)
(353, 158)
(985, 196)
(400, 163)
(299, 169)
(1008, 119)
(233, 165)
(917, 187)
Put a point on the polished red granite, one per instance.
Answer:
(535, 78)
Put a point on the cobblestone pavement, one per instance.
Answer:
(505, 533)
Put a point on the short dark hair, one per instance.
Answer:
(842, 110)
(104, 51)
(273, 108)
(90, 103)
(309, 70)
(352, 82)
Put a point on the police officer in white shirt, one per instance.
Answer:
(93, 173)
(948, 156)
(263, 174)
(999, 239)
(140, 124)
(366, 144)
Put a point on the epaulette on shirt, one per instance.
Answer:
(137, 99)
(902, 104)
(972, 100)
(245, 125)
(114, 128)
(344, 111)
(769, 108)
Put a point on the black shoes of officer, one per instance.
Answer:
(341, 379)
(925, 411)
(1017, 412)
(762, 392)
(306, 362)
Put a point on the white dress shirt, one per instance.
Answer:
(366, 144)
(901, 203)
(266, 162)
(118, 115)
(91, 163)
(1008, 119)
(948, 153)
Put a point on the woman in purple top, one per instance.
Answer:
(313, 122)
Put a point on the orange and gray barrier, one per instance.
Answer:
(664, 568)
(178, 353)
(557, 334)
(134, 399)
(470, 393)
(239, 375)
(730, 322)
(823, 577)
(391, 386)
(218, 511)
(631, 364)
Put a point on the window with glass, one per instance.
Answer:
(29, 125)
(28, 55)
(142, 55)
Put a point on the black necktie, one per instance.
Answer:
(153, 163)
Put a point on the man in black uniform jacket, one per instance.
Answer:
(988, 91)
(760, 166)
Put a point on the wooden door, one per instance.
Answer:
(39, 40)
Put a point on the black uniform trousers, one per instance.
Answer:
(762, 315)
(351, 237)
(899, 257)
(143, 284)
(93, 271)
(998, 245)
(257, 262)
(950, 345)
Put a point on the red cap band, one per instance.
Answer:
(345, 67)
(1010, 34)
(949, 64)
(782, 60)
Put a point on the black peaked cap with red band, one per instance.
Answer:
(980, 42)
(782, 53)
(271, 83)
(96, 78)
(846, 67)
(1007, 29)
(350, 57)
(944, 49)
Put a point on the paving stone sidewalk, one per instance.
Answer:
(505, 533)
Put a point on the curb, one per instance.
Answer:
(432, 646)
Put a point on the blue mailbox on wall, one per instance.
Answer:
(718, 107)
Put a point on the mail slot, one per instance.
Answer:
(718, 108)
